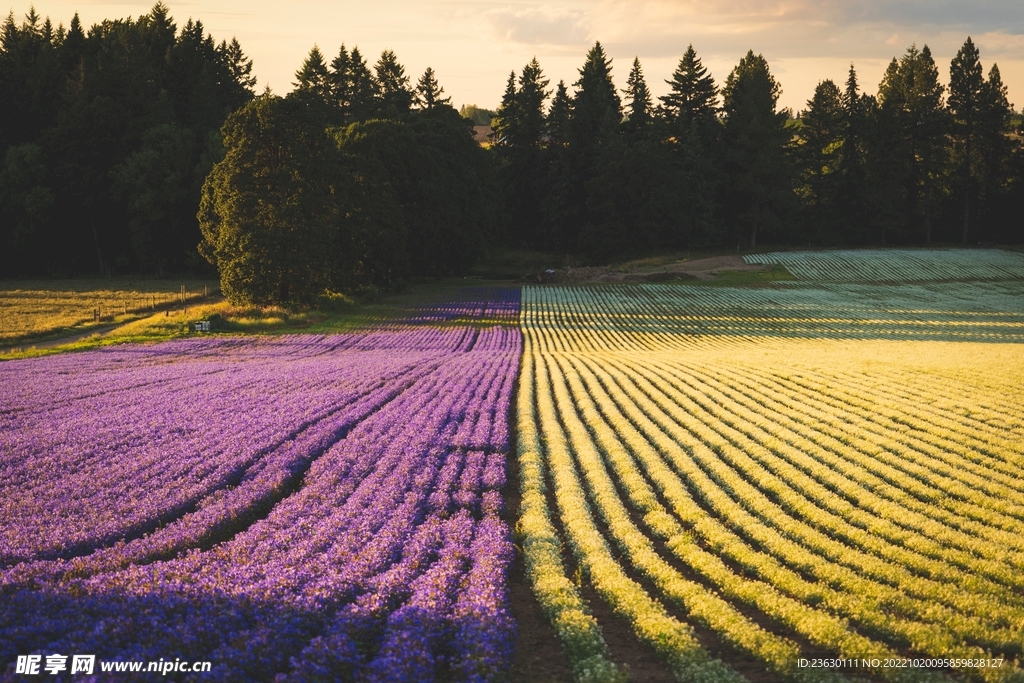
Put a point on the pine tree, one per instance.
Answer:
(557, 122)
(313, 78)
(597, 109)
(755, 139)
(693, 93)
(504, 121)
(395, 93)
(638, 98)
(911, 96)
(966, 86)
(995, 148)
(428, 91)
(341, 82)
(363, 88)
(820, 141)
(530, 98)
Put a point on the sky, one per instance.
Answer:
(473, 45)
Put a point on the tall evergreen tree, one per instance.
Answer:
(396, 96)
(693, 93)
(597, 109)
(755, 138)
(852, 190)
(313, 77)
(520, 129)
(428, 91)
(966, 86)
(363, 88)
(820, 140)
(638, 98)
(995, 154)
(911, 97)
(340, 78)
(557, 121)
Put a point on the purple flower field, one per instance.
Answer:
(300, 508)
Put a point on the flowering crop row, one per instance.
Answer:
(473, 304)
(841, 491)
(681, 317)
(358, 533)
(897, 265)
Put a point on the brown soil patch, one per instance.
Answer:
(707, 268)
(698, 269)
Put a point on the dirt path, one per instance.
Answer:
(69, 339)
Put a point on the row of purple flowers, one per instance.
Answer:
(298, 508)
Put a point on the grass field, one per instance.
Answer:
(792, 472)
(37, 309)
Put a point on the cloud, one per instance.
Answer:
(540, 25)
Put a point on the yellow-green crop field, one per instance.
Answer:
(802, 472)
(35, 309)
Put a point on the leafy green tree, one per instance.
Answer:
(156, 183)
(478, 115)
(997, 149)
(269, 211)
(429, 91)
(426, 195)
(756, 140)
(396, 97)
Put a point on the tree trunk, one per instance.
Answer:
(927, 230)
(753, 232)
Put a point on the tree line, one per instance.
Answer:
(106, 136)
(355, 179)
(609, 172)
(138, 147)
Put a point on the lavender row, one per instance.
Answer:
(84, 466)
(490, 304)
(387, 564)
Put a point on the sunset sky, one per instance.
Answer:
(473, 45)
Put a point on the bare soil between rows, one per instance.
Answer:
(697, 269)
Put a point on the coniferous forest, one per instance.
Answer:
(139, 147)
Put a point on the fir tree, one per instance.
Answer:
(395, 93)
(597, 109)
(966, 91)
(820, 141)
(363, 88)
(755, 139)
(559, 113)
(693, 93)
(428, 91)
(313, 77)
(638, 98)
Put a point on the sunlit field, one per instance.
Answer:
(33, 309)
(760, 476)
